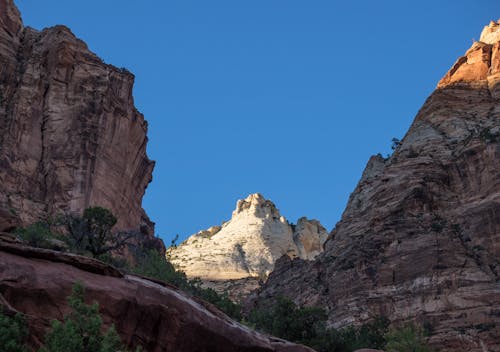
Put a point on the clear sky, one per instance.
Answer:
(288, 98)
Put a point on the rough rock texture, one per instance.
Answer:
(70, 136)
(234, 256)
(420, 237)
(154, 315)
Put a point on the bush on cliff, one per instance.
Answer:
(307, 325)
(81, 330)
(151, 263)
(91, 233)
(408, 338)
(13, 333)
(286, 320)
(372, 335)
(38, 235)
(223, 302)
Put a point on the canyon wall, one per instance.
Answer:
(420, 237)
(70, 136)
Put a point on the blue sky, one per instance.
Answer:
(287, 98)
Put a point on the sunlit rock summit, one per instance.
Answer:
(243, 250)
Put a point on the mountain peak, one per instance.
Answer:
(246, 247)
(491, 33)
(480, 66)
(258, 206)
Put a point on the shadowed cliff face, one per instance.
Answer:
(70, 136)
(420, 237)
(154, 315)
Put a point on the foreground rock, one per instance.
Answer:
(154, 315)
(235, 256)
(70, 136)
(420, 237)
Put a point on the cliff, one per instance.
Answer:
(151, 314)
(235, 256)
(70, 136)
(420, 237)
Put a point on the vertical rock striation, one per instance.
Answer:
(235, 256)
(420, 237)
(70, 136)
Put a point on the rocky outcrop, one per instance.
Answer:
(420, 237)
(154, 315)
(235, 256)
(70, 136)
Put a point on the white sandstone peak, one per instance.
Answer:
(257, 205)
(248, 245)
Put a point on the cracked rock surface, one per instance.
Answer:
(420, 237)
(70, 136)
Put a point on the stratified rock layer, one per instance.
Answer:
(420, 237)
(153, 315)
(70, 136)
(234, 256)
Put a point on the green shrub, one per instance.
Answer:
(370, 335)
(307, 325)
(153, 264)
(99, 222)
(81, 329)
(286, 320)
(90, 234)
(13, 333)
(408, 338)
(220, 301)
(36, 235)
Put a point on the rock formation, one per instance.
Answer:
(234, 256)
(151, 314)
(70, 136)
(420, 237)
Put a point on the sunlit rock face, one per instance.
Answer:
(480, 66)
(491, 33)
(70, 136)
(420, 237)
(247, 246)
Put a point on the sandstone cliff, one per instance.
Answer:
(70, 136)
(151, 314)
(420, 237)
(234, 256)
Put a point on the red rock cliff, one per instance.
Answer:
(420, 237)
(153, 315)
(70, 136)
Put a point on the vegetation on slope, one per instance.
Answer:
(13, 333)
(308, 326)
(91, 234)
(81, 330)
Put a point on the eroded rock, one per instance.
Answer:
(70, 136)
(420, 237)
(154, 315)
(235, 256)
